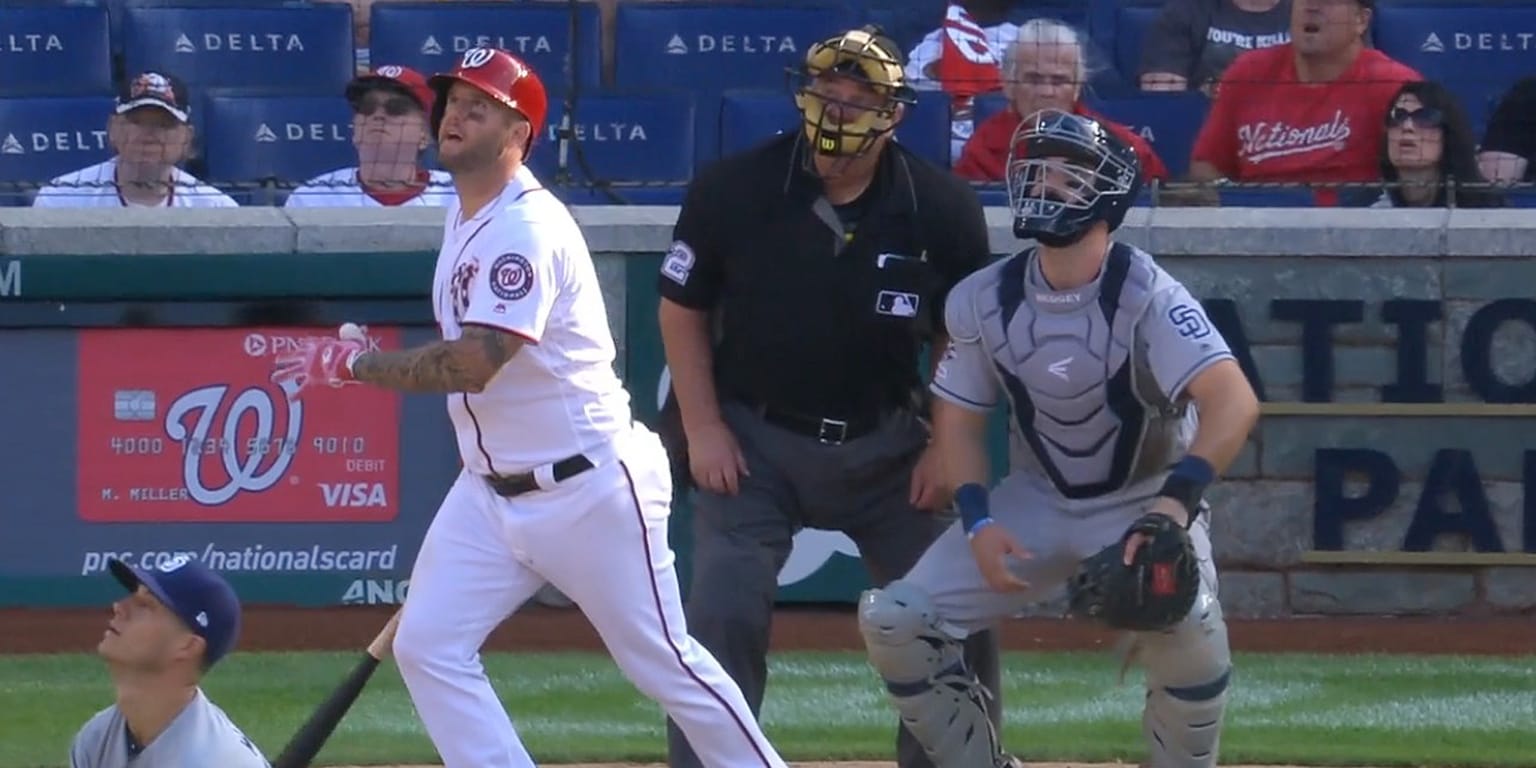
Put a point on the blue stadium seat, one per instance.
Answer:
(1169, 121)
(752, 116)
(118, 8)
(429, 36)
(41, 138)
(712, 46)
(926, 128)
(56, 51)
(905, 21)
(1475, 50)
(282, 49)
(1131, 25)
(284, 137)
(1523, 196)
(624, 138)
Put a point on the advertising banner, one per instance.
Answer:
(183, 425)
(146, 444)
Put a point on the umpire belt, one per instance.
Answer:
(826, 430)
(541, 478)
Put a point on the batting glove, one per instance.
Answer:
(320, 360)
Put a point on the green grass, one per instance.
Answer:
(1314, 710)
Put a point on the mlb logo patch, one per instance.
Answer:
(897, 304)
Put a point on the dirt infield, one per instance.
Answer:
(538, 628)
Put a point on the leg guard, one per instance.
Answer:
(939, 700)
(1188, 669)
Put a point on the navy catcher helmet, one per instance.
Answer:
(1066, 173)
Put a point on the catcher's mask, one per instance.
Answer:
(848, 127)
(1067, 173)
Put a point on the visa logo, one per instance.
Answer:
(354, 494)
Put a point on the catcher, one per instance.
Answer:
(1126, 405)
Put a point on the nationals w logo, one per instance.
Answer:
(252, 463)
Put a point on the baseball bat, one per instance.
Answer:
(311, 736)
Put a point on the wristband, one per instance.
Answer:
(980, 524)
(1187, 482)
(971, 501)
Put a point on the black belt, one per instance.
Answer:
(827, 430)
(517, 485)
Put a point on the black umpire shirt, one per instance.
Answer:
(822, 310)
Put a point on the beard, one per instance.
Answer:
(467, 157)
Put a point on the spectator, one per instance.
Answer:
(1429, 157)
(362, 19)
(1193, 41)
(1509, 146)
(1305, 111)
(151, 132)
(962, 58)
(391, 132)
(1045, 68)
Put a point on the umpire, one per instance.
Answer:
(804, 277)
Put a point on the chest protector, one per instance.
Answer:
(1087, 413)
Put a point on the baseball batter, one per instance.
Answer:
(559, 483)
(1126, 404)
(175, 623)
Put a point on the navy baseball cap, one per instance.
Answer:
(206, 603)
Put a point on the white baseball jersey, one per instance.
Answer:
(93, 187)
(202, 735)
(521, 265)
(341, 189)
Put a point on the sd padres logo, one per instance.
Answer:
(1190, 322)
(391, 71)
(511, 276)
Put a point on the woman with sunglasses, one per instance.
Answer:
(1429, 157)
(390, 108)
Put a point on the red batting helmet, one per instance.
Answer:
(499, 75)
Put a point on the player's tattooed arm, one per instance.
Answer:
(465, 364)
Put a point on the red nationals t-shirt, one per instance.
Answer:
(1264, 125)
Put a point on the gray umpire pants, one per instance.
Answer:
(741, 542)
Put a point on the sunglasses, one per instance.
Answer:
(394, 106)
(1423, 117)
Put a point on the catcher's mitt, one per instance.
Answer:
(1155, 592)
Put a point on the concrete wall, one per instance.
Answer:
(1272, 519)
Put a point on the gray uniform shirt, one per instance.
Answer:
(201, 736)
(1199, 38)
(1095, 376)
